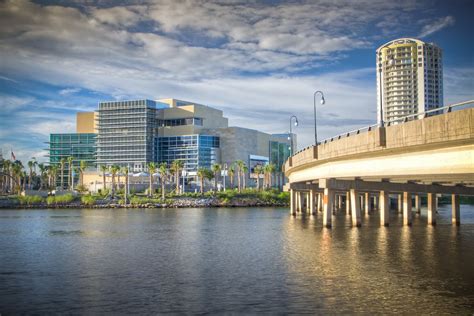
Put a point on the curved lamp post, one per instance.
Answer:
(323, 101)
(290, 137)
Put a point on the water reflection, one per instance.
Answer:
(243, 261)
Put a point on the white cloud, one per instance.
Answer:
(436, 25)
(69, 91)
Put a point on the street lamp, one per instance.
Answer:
(323, 101)
(291, 133)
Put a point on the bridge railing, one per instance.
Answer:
(411, 117)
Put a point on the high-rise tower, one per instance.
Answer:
(409, 78)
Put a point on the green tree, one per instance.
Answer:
(203, 174)
(82, 168)
(31, 166)
(17, 172)
(125, 171)
(62, 162)
(269, 170)
(103, 169)
(163, 171)
(114, 169)
(7, 171)
(176, 168)
(245, 170)
(240, 169)
(151, 170)
(70, 161)
(216, 169)
(42, 168)
(231, 173)
(258, 170)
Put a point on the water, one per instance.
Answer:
(232, 261)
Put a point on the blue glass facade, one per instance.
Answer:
(195, 150)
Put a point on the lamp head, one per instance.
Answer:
(296, 121)
(323, 101)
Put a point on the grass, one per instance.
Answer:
(30, 199)
(60, 199)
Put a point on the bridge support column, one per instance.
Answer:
(407, 208)
(418, 203)
(456, 210)
(400, 203)
(320, 202)
(348, 203)
(355, 206)
(432, 208)
(384, 205)
(328, 201)
(292, 202)
(311, 202)
(367, 203)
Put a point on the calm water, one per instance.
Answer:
(232, 261)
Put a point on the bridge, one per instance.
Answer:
(422, 155)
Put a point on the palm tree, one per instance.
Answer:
(216, 169)
(231, 173)
(70, 161)
(62, 162)
(82, 167)
(240, 168)
(125, 172)
(42, 167)
(245, 169)
(176, 167)
(269, 170)
(151, 169)
(114, 169)
(163, 171)
(17, 168)
(31, 165)
(6, 171)
(258, 171)
(103, 169)
(201, 173)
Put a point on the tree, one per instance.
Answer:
(269, 169)
(62, 162)
(52, 174)
(176, 168)
(82, 167)
(231, 173)
(17, 169)
(31, 165)
(42, 168)
(7, 177)
(163, 171)
(240, 168)
(216, 169)
(114, 169)
(103, 169)
(124, 170)
(245, 169)
(151, 170)
(202, 174)
(258, 171)
(70, 161)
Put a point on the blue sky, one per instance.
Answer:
(259, 61)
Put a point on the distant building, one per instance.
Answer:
(136, 132)
(409, 78)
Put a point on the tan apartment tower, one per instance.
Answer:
(409, 79)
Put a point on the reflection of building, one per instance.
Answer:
(136, 132)
(409, 78)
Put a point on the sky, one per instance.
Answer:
(258, 61)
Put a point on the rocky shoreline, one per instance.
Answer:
(175, 203)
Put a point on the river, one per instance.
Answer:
(239, 260)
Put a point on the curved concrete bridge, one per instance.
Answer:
(433, 155)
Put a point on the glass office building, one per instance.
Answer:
(279, 153)
(127, 130)
(195, 151)
(82, 147)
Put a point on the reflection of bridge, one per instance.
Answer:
(433, 155)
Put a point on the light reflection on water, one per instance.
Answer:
(232, 260)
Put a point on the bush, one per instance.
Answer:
(88, 199)
(81, 188)
(61, 199)
(30, 199)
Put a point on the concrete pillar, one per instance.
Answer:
(311, 202)
(384, 205)
(339, 201)
(432, 208)
(367, 203)
(292, 202)
(298, 202)
(320, 202)
(418, 203)
(328, 201)
(400, 203)
(456, 210)
(355, 207)
(375, 203)
(407, 208)
(348, 203)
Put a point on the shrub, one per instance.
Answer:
(88, 199)
(60, 199)
(30, 199)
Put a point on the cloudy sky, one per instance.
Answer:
(259, 61)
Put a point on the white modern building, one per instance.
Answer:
(409, 78)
